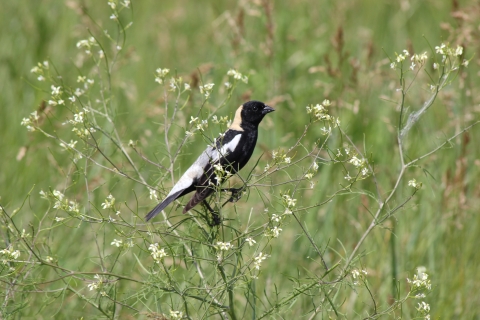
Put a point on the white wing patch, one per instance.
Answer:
(230, 147)
(197, 168)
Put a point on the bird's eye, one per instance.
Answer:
(255, 108)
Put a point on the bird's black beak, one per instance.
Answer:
(267, 109)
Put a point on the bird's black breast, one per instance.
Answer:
(239, 156)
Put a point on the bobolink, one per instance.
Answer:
(231, 151)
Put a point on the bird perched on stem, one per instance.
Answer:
(228, 154)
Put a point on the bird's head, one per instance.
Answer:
(253, 112)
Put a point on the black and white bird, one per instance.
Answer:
(231, 151)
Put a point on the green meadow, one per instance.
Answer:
(348, 204)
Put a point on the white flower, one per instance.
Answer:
(56, 90)
(435, 66)
(290, 202)
(420, 282)
(326, 131)
(364, 172)
(206, 89)
(58, 195)
(224, 246)
(10, 253)
(116, 243)
(275, 217)
(187, 86)
(192, 119)
(113, 17)
(401, 57)
(414, 184)
(356, 162)
(176, 314)
(288, 160)
(276, 231)
(423, 307)
(355, 274)
(157, 253)
(26, 122)
(153, 194)
(92, 286)
(459, 51)
(393, 65)
(440, 49)
(258, 260)
(250, 241)
(109, 202)
(347, 177)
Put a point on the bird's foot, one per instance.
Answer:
(236, 193)
(216, 219)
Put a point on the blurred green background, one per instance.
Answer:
(296, 53)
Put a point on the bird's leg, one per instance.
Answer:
(215, 216)
(236, 194)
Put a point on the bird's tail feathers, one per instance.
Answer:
(198, 197)
(162, 205)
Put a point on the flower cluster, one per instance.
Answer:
(114, 3)
(160, 75)
(153, 194)
(109, 202)
(206, 89)
(257, 261)
(96, 285)
(279, 157)
(157, 253)
(9, 254)
(312, 171)
(361, 165)
(236, 76)
(250, 241)
(446, 50)
(421, 283)
(31, 121)
(121, 243)
(87, 44)
(176, 84)
(358, 275)
(414, 184)
(199, 125)
(224, 246)
(424, 309)
(56, 96)
(61, 202)
(40, 70)
(419, 60)
(176, 314)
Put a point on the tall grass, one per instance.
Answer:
(71, 262)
